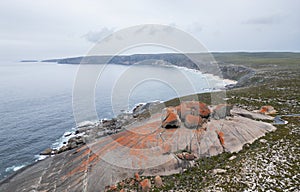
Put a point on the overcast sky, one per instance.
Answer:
(41, 29)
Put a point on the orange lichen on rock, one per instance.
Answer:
(221, 137)
(166, 148)
(267, 109)
(170, 118)
(92, 157)
(192, 121)
(203, 110)
(145, 185)
(137, 176)
(192, 108)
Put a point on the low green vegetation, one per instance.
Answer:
(271, 163)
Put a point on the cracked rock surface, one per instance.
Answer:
(142, 146)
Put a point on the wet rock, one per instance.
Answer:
(47, 151)
(67, 134)
(142, 110)
(221, 111)
(63, 149)
(109, 123)
(158, 181)
(145, 185)
(170, 119)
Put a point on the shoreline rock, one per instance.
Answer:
(125, 150)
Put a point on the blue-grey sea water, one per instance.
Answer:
(36, 102)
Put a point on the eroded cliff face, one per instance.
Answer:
(144, 146)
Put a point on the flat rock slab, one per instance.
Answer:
(251, 115)
(143, 147)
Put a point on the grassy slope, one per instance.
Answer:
(273, 165)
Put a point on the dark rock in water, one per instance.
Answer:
(143, 109)
(63, 149)
(74, 142)
(67, 134)
(46, 152)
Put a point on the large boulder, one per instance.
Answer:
(46, 152)
(193, 108)
(221, 111)
(145, 185)
(170, 119)
(158, 181)
(193, 121)
(267, 110)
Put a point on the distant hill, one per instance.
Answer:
(24, 61)
(239, 66)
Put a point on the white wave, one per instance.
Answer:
(225, 81)
(15, 168)
(86, 124)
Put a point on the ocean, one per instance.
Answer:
(36, 101)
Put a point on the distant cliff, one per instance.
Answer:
(227, 70)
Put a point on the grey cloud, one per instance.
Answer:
(267, 20)
(95, 36)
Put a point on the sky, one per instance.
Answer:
(44, 29)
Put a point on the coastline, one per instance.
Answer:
(242, 97)
(62, 142)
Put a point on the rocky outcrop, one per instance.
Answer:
(221, 111)
(142, 146)
(46, 152)
(192, 113)
(192, 121)
(267, 110)
(170, 119)
(158, 181)
(252, 115)
(145, 185)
